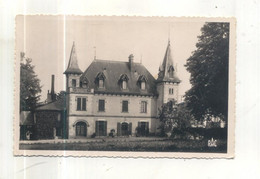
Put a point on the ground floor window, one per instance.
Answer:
(124, 129)
(101, 128)
(81, 129)
(143, 128)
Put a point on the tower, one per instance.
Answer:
(73, 72)
(167, 81)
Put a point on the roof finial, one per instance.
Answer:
(141, 58)
(169, 34)
(94, 52)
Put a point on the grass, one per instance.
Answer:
(156, 145)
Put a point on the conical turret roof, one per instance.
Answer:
(167, 71)
(73, 67)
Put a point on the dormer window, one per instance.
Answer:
(123, 81)
(100, 79)
(142, 80)
(101, 83)
(84, 82)
(124, 85)
(143, 85)
(171, 71)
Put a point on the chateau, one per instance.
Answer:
(122, 97)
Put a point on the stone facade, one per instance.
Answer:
(118, 97)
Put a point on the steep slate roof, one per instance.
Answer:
(73, 67)
(113, 70)
(58, 105)
(165, 67)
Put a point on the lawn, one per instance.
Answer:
(150, 145)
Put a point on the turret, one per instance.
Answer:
(73, 71)
(167, 81)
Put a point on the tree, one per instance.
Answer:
(208, 66)
(29, 85)
(174, 117)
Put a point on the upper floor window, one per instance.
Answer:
(124, 85)
(142, 80)
(123, 81)
(74, 83)
(171, 91)
(84, 82)
(81, 104)
(101, 83)
(143, 107)
(124, 106)
(100, 79)
(143, 85)
(101, 105)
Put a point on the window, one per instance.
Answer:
(170, 90)
(101, 83)
(123, 84)
(123, 81)
(171, 71)
(125, 106)
(142, 82)
(143, 85)
(81, 104)
(74, 83)
(101, 105)
(143, 107)
(101, 128)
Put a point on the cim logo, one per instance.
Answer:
(212, 143)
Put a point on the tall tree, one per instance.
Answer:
(29, 85)
(174, 116)
(208, 66)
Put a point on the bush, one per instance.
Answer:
(193, 133)
(93, 135)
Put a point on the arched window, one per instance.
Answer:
(100, 79)
(124, 85)
(143, 85)
(84, 82)
(142, 80)
(123, 81)
(101, 83)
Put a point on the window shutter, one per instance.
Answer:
(139, 128)
(84, 104)
(118, 129)
(147, 128)
(105, 128)
(97, 131)
(130, 128)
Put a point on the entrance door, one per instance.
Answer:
(81, 129)
(101, 128)
(124, 129)
(143, 128)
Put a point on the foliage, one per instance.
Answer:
(208, 66)
(174, 117)
(29, 85)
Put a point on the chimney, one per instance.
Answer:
(53, 96)
(131, 62)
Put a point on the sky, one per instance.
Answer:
(47, 40)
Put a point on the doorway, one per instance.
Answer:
(81, 129)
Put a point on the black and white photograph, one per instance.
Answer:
(124, 86)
